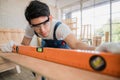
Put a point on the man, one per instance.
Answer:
(54, 33)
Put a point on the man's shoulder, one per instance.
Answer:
(54, 22)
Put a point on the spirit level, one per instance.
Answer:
(100, 62)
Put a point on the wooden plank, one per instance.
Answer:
(2, 60)
(54, 71)
(106, 36)
(7, 66)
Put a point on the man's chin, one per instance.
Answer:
(45, 35)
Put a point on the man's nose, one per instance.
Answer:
(42, 28)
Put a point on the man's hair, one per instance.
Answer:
(36, 9)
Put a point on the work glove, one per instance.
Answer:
(8, 47)
(112, 47)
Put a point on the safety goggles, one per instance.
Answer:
(39, 24)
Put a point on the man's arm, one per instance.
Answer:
(75, 44)
(26, 41)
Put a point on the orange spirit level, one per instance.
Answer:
(101, 62)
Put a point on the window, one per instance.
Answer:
(102, 15)
(116, 21)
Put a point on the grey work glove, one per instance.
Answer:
(113, 47)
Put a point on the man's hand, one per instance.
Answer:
(113, 47)
(8, 47)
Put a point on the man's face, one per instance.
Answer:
(41, 25)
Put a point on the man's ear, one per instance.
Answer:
(50, 17)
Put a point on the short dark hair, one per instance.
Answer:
(36, 9)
